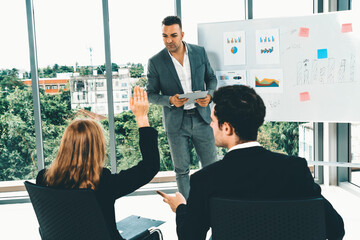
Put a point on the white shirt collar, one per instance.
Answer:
(245, 145)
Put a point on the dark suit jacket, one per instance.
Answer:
(163, 78)
(114, 186)
(249, 173)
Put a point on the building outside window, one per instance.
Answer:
(85, 82)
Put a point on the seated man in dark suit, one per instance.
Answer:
(247, 170)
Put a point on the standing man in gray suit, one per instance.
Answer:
(181, 68)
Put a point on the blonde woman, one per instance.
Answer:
(79, 162)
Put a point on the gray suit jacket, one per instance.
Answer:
(163, 82)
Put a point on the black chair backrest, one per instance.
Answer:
(67, 214)
(267, 220)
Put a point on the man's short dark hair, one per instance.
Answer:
(171, 20)
(242, 108)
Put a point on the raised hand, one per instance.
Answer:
(139, 105)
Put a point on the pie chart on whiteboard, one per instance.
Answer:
(234, 50)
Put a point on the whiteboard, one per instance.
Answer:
(312, 61)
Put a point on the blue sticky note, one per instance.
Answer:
(322, 53)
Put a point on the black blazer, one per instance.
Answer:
(114, 186)
(250, 173)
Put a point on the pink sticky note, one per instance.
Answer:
(304, 96)
(346, 27)
(303, 32)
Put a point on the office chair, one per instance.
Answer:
(65, 214)
(267, 220)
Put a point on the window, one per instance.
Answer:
(125, 108)
(62, 86)
(70, 49)
(211, 11)
(17, 142)
(100, 84)
(90, 86)
(126, 49)
(306, 140)
(79, 85)
(132, 53)
(101, 95)
(281, 8)
(355, 153)
(47, 86)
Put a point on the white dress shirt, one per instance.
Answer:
(184, 73)
(245, 145)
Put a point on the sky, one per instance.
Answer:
(67, 29)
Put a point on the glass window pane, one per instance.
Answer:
(355, 5)
(290, 138)
(205, 11)
(283, 137)
(281, 8)
(17, 134)
(355, 153)
(135, 29)
(70, 49)
(136, 35)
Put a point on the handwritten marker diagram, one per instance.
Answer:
(346, 27)
(304, 32)
(322, 53)
(304, 96)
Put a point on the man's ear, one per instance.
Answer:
(182, 35)
(229, 130)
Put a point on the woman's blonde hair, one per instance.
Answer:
(80, 158)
